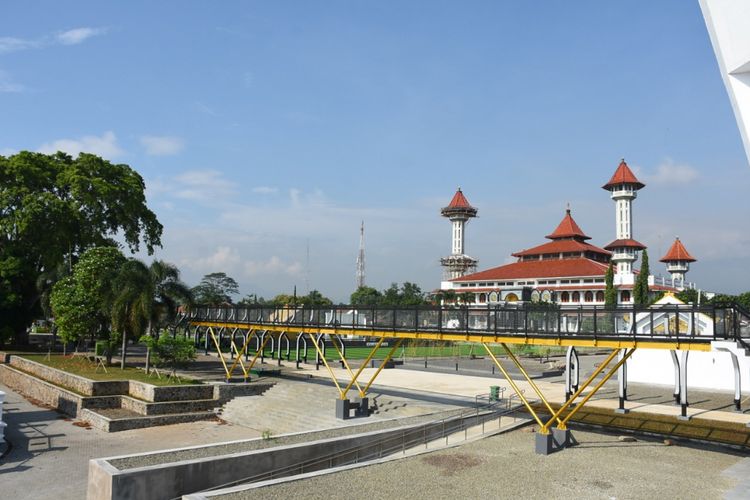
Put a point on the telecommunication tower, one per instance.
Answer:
(361, 257)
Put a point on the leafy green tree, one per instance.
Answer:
(52, 209)
(315, 299)
(251, 300)
(170, 351)
(610, 292)
(692, 296)
(81, 302)
(215, 289)
(366, 296)
(411, 295)
(640, 290)
(284, 299)
(147, 300)
(391, 295)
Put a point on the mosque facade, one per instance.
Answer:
(567, 269)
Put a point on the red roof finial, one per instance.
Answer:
(677, 253)
(623, 175)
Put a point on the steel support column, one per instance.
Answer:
(676, 364)
(683, 387)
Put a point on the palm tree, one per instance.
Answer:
(148, 299)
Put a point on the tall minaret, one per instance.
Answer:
(678, 261)
(459, 211)
(624, 187)
(361, 257)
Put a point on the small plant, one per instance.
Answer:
(266, 435)
(170, 351)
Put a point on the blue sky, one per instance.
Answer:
(265, 128)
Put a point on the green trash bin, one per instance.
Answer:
(494, 393)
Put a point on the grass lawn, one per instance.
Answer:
(79, 365)
(433, 351)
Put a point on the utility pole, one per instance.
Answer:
(361, 257)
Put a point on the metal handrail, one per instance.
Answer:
(491, 412)
(598, 322)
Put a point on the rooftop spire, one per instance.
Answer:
(623, 175)
(568, 229)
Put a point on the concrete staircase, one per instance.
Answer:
(297, 406)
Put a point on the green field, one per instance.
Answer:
(81, 366)
(455, 350)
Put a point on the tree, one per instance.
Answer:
(52, 209)
(366, 296)
(610, 292)
(315, 299)
(82, 301)
(215, 289)
(251, 300)
(411, 294)
(147, 300)
(640, 290)
(692, 296)
(170, 351)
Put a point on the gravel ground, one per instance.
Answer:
(506, 466)
(259, 444)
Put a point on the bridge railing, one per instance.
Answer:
(655, 322)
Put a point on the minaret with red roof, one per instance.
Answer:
(459, 211)
(624, 187)
(678, 261)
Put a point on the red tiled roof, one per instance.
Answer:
(540, 269)
(623, 175)
(629, 243)
(459, 201)
(559, 246)
(677, 252)
(567, 229)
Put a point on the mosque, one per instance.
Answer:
(567, 270)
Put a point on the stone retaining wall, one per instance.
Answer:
(66, 401)
(154, 393)
(78, 384)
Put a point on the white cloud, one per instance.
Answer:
(11, 44)
(265, 190)
(70, 37)
(105, 146)
(78, 35)
(7, 84)
(274, 265)
(162, 145)
(206, 185)
(224, 258)
(669, 172)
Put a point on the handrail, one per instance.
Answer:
(405, 444)
(707, 322)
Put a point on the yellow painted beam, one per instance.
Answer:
(330, 371)
(218, 350)
(564, 340)
(362, 367)
(380, 368)
(517, 390)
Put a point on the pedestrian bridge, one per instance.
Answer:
(247, 331)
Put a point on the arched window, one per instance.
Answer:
(576, 297)
(482, 298)
(588, 297)
(511, 297)
(565, 297)
(600, 296)
(625, 296)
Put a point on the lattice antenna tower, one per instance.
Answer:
(361, 257)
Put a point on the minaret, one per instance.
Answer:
(678, 261)
(459, 211)
(624, 187)
(361, 257)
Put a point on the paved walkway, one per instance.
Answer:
(49, 454)
(469, 386)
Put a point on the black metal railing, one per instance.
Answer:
(656, 323)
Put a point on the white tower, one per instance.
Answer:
(459, 211)
(678, 261)
(624, 187)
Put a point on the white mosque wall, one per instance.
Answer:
(706, 370)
